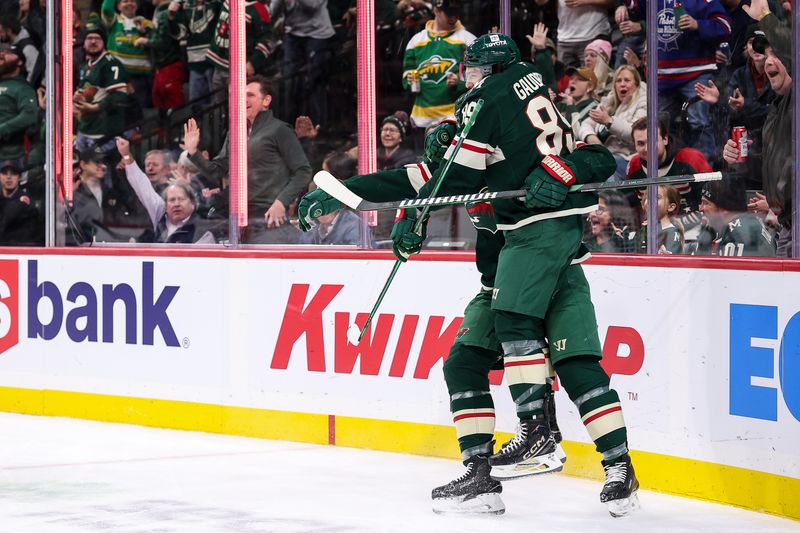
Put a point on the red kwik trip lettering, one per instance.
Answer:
(435, 344)
(371, 348)
(299, 320)
(613, 362)
(403, 348)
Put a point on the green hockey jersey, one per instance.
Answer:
(163, 38)
(122, 33)
(434, 55)
(745, 235)
(103, 82)
(198, 19)
(258, 36)
(517, 130)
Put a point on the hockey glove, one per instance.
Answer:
(438, 140)
(406, 241)
(549, 183)
(313, 205)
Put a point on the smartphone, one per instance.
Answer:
(751, 193)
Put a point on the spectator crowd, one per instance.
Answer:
(151, 157)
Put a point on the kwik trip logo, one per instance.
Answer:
(83, 311)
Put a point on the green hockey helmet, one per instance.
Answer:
(492, 49)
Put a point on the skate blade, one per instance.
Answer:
(561, 454)
(536, 465)
(623, 506)
(490, 503)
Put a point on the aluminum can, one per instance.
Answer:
(413, 80)
(739, 136)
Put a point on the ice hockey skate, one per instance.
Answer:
(550, 413)
(619, 490)
(475, 492)
(532, 451)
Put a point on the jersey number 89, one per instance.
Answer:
(546, 118)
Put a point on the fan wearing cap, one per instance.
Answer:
(432, 59)
(20, 221)
(391, 152)
(11, 31)
(18, 109)
(729, 229)
(93, 202)
(579, 97)
(750, 95)
(101, 93)
(777, 167)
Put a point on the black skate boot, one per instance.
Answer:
(550, 413)
(532, 451)
(474, 492)
(619, 490)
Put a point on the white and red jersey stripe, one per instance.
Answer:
(474, 421)
(603, 420)
(521, 369)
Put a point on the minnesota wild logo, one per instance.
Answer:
(434, 69)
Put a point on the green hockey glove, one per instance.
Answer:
(313, 205)
(438, 140)
(549, 183)
(406, 241)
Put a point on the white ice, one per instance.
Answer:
(61, 476)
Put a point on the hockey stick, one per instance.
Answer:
(354, 334)
(339, 190)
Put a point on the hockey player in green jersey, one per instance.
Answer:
(729, 229)
(476, 350)
(539, 301)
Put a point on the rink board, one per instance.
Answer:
(704, 354)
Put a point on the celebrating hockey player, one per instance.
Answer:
(475, 351)
(539, 300)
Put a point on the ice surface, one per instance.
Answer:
(61, 475)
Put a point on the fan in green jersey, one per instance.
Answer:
(730, 230)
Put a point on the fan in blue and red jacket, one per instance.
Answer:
(686, 55)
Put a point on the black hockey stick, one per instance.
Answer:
(354, 333)
(339, 190)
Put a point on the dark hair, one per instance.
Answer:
(10, 22)
(641, 124)
(341, 165)
(264, 83)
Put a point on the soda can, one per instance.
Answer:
(413, 80)
(739, 136)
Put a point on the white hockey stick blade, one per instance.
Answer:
(708, 176)
(354, 334)
(328, 183)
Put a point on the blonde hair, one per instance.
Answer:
(616, 102)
